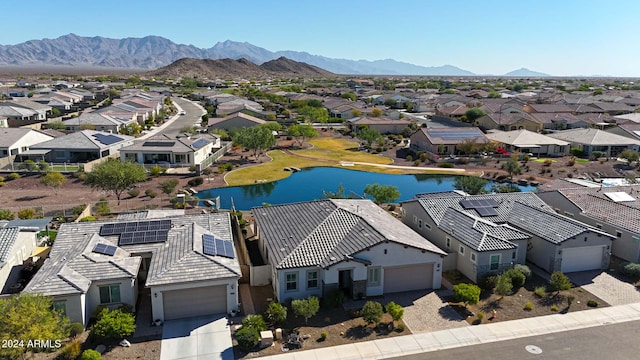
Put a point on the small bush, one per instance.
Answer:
(523, 269)
(76, 329)
(13, 176)
(207, 171)
(592, 303)
(504, 286)
(90, 354)
(409, 158)
(445, 165)
(26, 214)
(631, 269)
(570, 299)
(517, 278)
(371, 312)
(324, 335)
(247, 338)
(276, 313)
(254, 321)
(462, 160)
(559, 282)
(114, 324)
(335, 299)
(150, 193)
(72, 350)
(400, 328)
(134, 192)
(540, 291)
(396, 311)
(196, 181)
(488, 281)
(102, 207)
(1, 178)
(480, 316)
(156, 170)
(554, 308)
(6, 214)
(416, 162)
(528, 306)
(88, 218)
(577, 152)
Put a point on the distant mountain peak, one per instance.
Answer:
(524, 72)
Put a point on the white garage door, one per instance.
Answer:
(582, 258)
(407, 278)
(208, 300)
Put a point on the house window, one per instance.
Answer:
(312, 280)
(373, 276)
(473, 258)
(513, 255)
(619, 234)
(60, 306)
(448, 243)
(110, 294)
(495, 262)
(292, 281)
(461, 251)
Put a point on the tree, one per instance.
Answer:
(168, 186)
(29, 316)
(256, 138)
(468, 146)
(504, 285)
(396, 311)
(306, 307)
(630, 155)
(356, 113)
(314, 114)
(272, 126)
(131, 129)
(371, 312)
(382, 194)
(473, 114)
(276, 313)
(349, 96)
(369, 136)
(472, 185)
(505, 188)
(376, 112)
(302, 132)
(469, 294)
(114, 324)
(54, 180)
(512, 167)
(115, 176)
(559, 282)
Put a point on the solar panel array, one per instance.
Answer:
(217, 247)
(143, 237)
(107, 139)
(200, 143)
(455, 135)
(105, 249)
(133, 226)
(487, 211)
(159, 143)
(476, 203)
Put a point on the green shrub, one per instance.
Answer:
(396, 311)
(77, 210)
(469, 294)
(504, 285)
(102, 207)
(13, 176)
(114, 324)
(400, 328)
(71, 351)
(416, 162)
(554, 308)
(196, 181)
(306, 307)
(2, 183)
(324, 335)
(577, 152)
(540, 291)
(523, 269)
(90, 354)
(335, 299)
(488, 281)
(371, 312)
(592, 303)
(445, 165)
(156, 170)
(150, 193)
(528, 306)
(480, 316)
(6, 214)
(26, 213)
(76, 329)
(254, 321)
(517, 278)
(631, 269)
(247, 338)
(1, 178)
(276, 313)
(409, 158)
(559, 282)
(88, 218)
(134, 192)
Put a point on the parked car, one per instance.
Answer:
(183, 112)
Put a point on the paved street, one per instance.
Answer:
(193, 116)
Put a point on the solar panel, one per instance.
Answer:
(134, 226)
(486, 211)
(217, 247)
(476, 203)
(209, 245)
(228, 249)
(200, 143)
(456, 135)
(143, 237)
(107, 139)
(159, 143)
(105, 249)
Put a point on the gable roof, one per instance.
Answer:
(453, 135)
(591, 136)
(8, 237)
(365, 120)
(84, 140)
(326, 232)
(241, 115)
(524, 137)
(164, 143)
(96, 119)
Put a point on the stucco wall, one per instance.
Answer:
(127, 294)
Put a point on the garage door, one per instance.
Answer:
(209, 300)
(581, 259)
(407, 278)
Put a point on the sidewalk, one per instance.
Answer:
(470, 335)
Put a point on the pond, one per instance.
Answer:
(312, 183)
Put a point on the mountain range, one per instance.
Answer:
(152, 52)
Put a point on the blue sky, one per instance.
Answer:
(558, 37)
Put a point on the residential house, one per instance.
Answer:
(526, 141)
(97, 121)
(444, 141)
(611, 108)
(509, 121)
(237, 105)
(81, 146)
(319, 247)
(634, 117)
(184, 265)
(547, 108)
(17, 116)
(14, 141)
(595, 140)
(16, 246)
(235, 121)
(41, 109)
(614, 209)
(183, 151)
(630, 130)
(4, 123)
(383, 125)
(491, 233)
(560, 121)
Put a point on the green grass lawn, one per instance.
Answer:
(583, 161)
(340, 150)
(541, 160)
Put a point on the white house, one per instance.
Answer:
(14, 141)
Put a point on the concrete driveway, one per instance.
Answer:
(606, 286)
(198, 338)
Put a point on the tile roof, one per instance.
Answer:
(72, 265)
(8, 237)
(325, 232)
(592, 136)
(83, 140)
(182, 144)
(524, 137)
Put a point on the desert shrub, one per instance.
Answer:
(540, 291)
(631, 269)
(2, 183)
(595, 155)
(488, 281)
(528, 306)
(206, 171)
(1, 178)
(526, 158)
(480, 316)
(371, 312)
(77, 210)
(324, 335)
(90, 354)
(254, 321)
(168, 186)
(88, 218)
(504, 285)
(559, 282)
(571, 161)
(554, 308)
(424, 157)
(76, 329)
(276, 313)
(445, 165)
(26, 213)
(570, 299)
(102, 207)
(6, 214)
(134, 192)
(196, 181)
(396, 311)
(592, 303)
(517, 278)
(335, 299)
(409, 158)
(462, 160)
(247, 338)
(71, 351)
(576, 152)
(114, 324)
(467, 293)
(400, 328)
(156, 170)
(306, 307)
(13, 176)
(150, 193)
(416, 162)
(523, 269)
